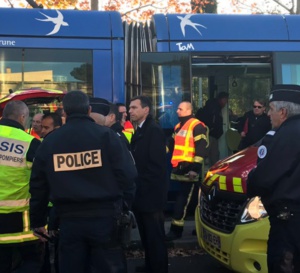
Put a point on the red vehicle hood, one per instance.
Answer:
(230, 174)
(32, 96)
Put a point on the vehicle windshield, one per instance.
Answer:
(47, 107)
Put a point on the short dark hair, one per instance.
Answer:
(113, 109)
(118, 104)
(145, 102)
(59, 111)
(57, 121)
(261, 101)
(76, 102)
(223, 95)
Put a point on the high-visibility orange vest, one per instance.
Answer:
(52, 107)
(33, 133)
(184, 148)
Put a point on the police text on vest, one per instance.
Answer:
(77, 161)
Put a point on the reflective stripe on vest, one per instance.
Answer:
(128, 135)
(128, 130)
(19, 237)
(184, 149)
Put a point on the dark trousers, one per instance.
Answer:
(152, 233)
(284, 245)
(183, 199)
(23, 257)
(88, 245)
(51, 252)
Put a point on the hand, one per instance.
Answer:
(53, 233)
(243, 134)
(192, 175)
(41, 233)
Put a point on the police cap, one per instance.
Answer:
(285, 92)
(100, 106)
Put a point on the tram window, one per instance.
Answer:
(45, 68)
(287, 67)
(166, 79)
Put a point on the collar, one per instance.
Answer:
(78, 116)
(141, 124)
(183, 120)
(117, 127)
(11, 123)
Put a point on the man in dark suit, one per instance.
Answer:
(149, 151)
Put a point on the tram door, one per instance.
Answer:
(244, 77)
(166, 78)
(169, 78)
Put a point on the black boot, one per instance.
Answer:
(174, 233)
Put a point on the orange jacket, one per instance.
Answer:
(184, 148)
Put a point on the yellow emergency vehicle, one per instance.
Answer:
(230, 227)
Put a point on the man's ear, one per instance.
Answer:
(90, 110)
(284, 113)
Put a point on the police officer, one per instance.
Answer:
(17, 150)
(276, 179)
(189, 146)
(100, 109)
(84, 169)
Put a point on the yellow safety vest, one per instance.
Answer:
(14, 181)
(128, 130)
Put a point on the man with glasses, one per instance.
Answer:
(254, 124)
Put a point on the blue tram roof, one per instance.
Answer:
(60, 23)
(218, 31)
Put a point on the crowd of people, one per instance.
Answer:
(74, 180)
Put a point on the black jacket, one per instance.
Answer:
(276, 177)
(257, 127)
(84, 169)
(148, 146)
(211, 115)
(118, 128)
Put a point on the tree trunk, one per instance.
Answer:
(298, 7)
(94, 5)
(198, 6)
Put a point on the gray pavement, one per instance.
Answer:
(188, 240)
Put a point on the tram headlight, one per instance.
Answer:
(254, 211)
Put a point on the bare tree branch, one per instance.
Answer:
(142, 7)
(34, 5)
(10, 3)
(291, 10)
